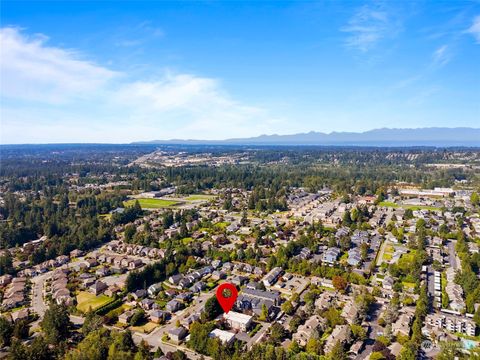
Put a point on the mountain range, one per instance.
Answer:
(433, 136)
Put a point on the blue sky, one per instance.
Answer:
(127, 71)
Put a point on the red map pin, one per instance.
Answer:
(226, 295)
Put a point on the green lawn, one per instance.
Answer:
(409, 285)
(388, 204)
(187, 240)
(387, 256)
(211, 284)
(161, 303)
(200, 197)
(411, 207)
(409, 257)
(152, 203)
(388, 252)
(86, 300)
(222, 225)
(145, 329)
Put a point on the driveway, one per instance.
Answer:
(258, 335)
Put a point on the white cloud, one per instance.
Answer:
(369, 25)
(32, 71)
(52, 94)
(475, 28)
(441, 56)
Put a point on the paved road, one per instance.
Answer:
(380, 253)
(38, 283)
(373, 333)
(451, 254)
(258, 336)
(37, 294)
(154, 339)
(431, 281)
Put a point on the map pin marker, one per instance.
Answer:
(227, 295)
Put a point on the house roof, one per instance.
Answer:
(237, 317)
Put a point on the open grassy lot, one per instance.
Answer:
(408, 285)
(86, 300)
(387, 256)
(222, 225)
(388, 204)
(200, 197)
(187, 240)
(411, 207)
(145, 329)
(152, 203)
(410, 257)
(388, 253)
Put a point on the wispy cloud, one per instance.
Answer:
(49, 91)
(31, 70)
(369, 25)
(441, 56)
(139, 34)
(475, 28)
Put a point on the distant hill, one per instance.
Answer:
(434, 136)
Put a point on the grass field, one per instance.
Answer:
(222, 225)
(200, 197)
(411, 207)
(388, 253)
(187, 240)
(152, 203)
(410, 257)
(86, 300)
(409, 285)
(145, 329)
(387, 256)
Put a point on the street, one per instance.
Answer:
(373, 333)
(451, 253)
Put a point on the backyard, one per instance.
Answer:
(86, 301)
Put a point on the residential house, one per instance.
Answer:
(341, 334)
(272, 277)
(331, 255)
(154, 289)
(158, 316)
(354, 257)
(177, 334)
(173, 306)
(225, 337)
(98, 288)
(305, 331)
(238, 321)
(125, 317)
